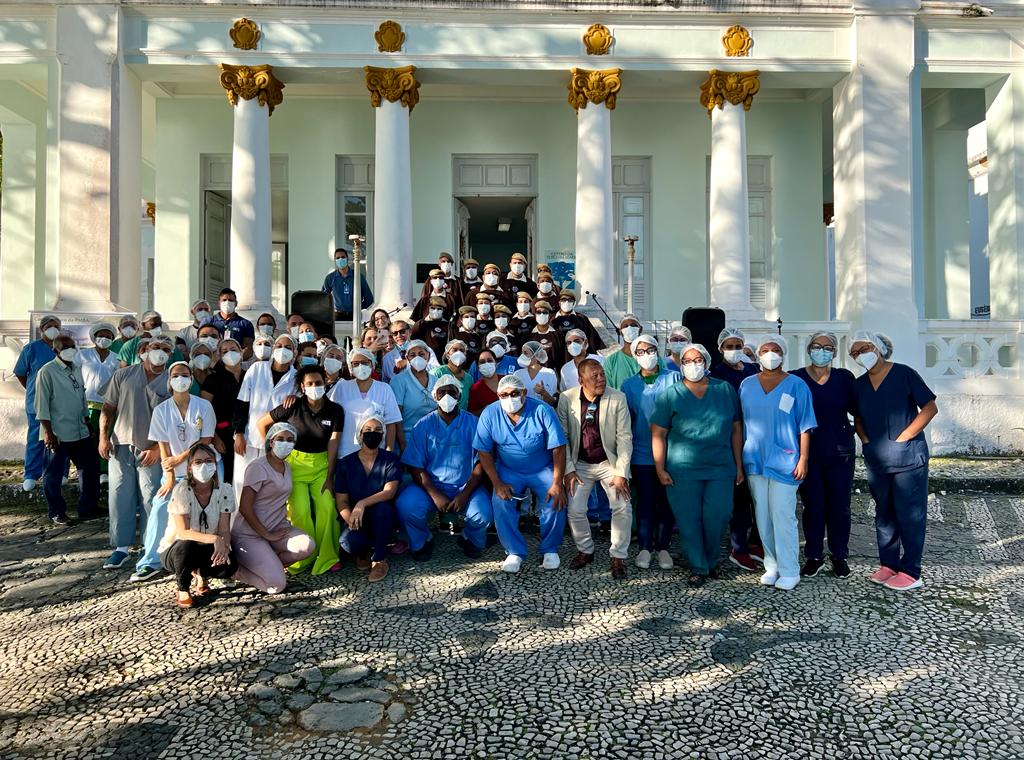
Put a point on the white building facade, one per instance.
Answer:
(857, 163)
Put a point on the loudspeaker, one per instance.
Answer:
(316, 307)
(705, 324)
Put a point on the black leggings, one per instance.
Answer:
(185, 557)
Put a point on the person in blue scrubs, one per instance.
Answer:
(412, 388)
(678, 340)
(826, 491)
(339, 284)
(894, 406)
(654, 517)
(746, 550)
(778, 417)
(521, 446)
(31, 359)
(446, 475)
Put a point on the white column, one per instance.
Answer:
(128, 190)
(394, 93)
(254, 91)
(874, 139)
(18, 212)
(392, 212)
(593, 94)
(727, 96)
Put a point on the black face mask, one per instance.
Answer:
(372, 439)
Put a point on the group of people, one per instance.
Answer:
(254, 451)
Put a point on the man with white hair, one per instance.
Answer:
(445, 474)
(521, 446)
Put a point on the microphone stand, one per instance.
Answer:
(593, 296)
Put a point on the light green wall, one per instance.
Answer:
(311, 132)
(946, 230)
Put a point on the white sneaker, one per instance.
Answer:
(512, 563)
(664, 560)
(551, 561)
(28, 485)
(788, 582)
(769, 578)
(643, 559)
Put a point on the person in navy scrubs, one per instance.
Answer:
(894, 406)
(826, 490)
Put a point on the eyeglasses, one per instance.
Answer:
(646, 352)
(400, 332)
(820, 347)
(509, 394)
(691, 362)
(866, 350)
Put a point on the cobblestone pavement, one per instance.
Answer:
(452, 658)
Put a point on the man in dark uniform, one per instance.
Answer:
(491, 285)
(433, 330)
(547, 335)
(465, 329)
(522, 321)
(484, 313)
(516, 281)
(434, 287)
(546, 289)
(470, 277)
(567, 319)
(503, 325)
(545, 269)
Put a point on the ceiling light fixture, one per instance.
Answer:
(504, 224)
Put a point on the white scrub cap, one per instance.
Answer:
(730, 332)
(286, 336)
(645, 338)
(416, 344)
(197, 345)
(494, 334)
(776, 340)
(375, 412)
(196, 303)
(220, 346)
(444, 381)
(683, 331)
(630, 317)
(536, 351)
(365, 353)
(47, 318)
(276, 429)
(511, 382)
(864, 336)
(452, 344)
(576, 333)
(887, 347)
(831, 336)
(100, 326)
(703, 352)
(148, 315)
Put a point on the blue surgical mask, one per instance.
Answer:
(341, 263)
(308, 361)
(821, 357)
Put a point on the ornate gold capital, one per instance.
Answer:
(733, 86)
(248, 82)
(151, 211)
(594, 87)
(390, 37)
(737, 41)
(598, 39)
(245, 35)
(396, 85)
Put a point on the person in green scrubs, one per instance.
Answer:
(697, 438)
(622, 365)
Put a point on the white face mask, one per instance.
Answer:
(733, 355)
(232, 358)
(128, 331)
(676, 346)
(158, 357)
(283, 355)
(228, 307)
(523, 307)
(501, 322)
(436, 314)
(771, 360)
(315, 392)
(631, 333)
(518, 268)
(447, 403)
(546, 287)
(202, 361)
(210, 342)
(262, 351)
(307, 337)
(575, 348)
(50, 333)
(446, 267)
(294, 331)
(437, 283)
(202, 314)
(361, 371)
(524, 361)
(647, 361)
(867, 360)
(156, 331)
(483, 308)
(180, 383)
(469, 322)
(490, 279)
(68, 355)
(457, 358)
(204, 471)
(266, 329)
(566, 306)
(418, 363)
(543, 318)
(512, 404)
(499, 350)
(103, 342)
(487, 369)
(332, 365)
(693, 372)
(282, 448)
(471, 273)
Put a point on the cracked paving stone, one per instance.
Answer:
(359, 694)
(349, 674)
(340, 716)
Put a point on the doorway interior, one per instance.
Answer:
(497, 227)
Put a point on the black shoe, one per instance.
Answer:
(468, 548)
(715, 573)
(696, 581)
(59, 520)
(492, 540)
(811, 568)
(840, 567)
(606, 527)
(424, 553)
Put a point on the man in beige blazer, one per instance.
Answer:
(600, 444)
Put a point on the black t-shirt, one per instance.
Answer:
(313, 429)
(552, 343)
(223, 386)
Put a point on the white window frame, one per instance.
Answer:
(362, 166)
(619, 190)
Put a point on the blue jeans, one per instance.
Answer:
(901, 515)
(825, 494)
(156, 526)
(36, 455)
(506, 512)
(83, 454)
(414, 509)
(775, 509)
(132, 488)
